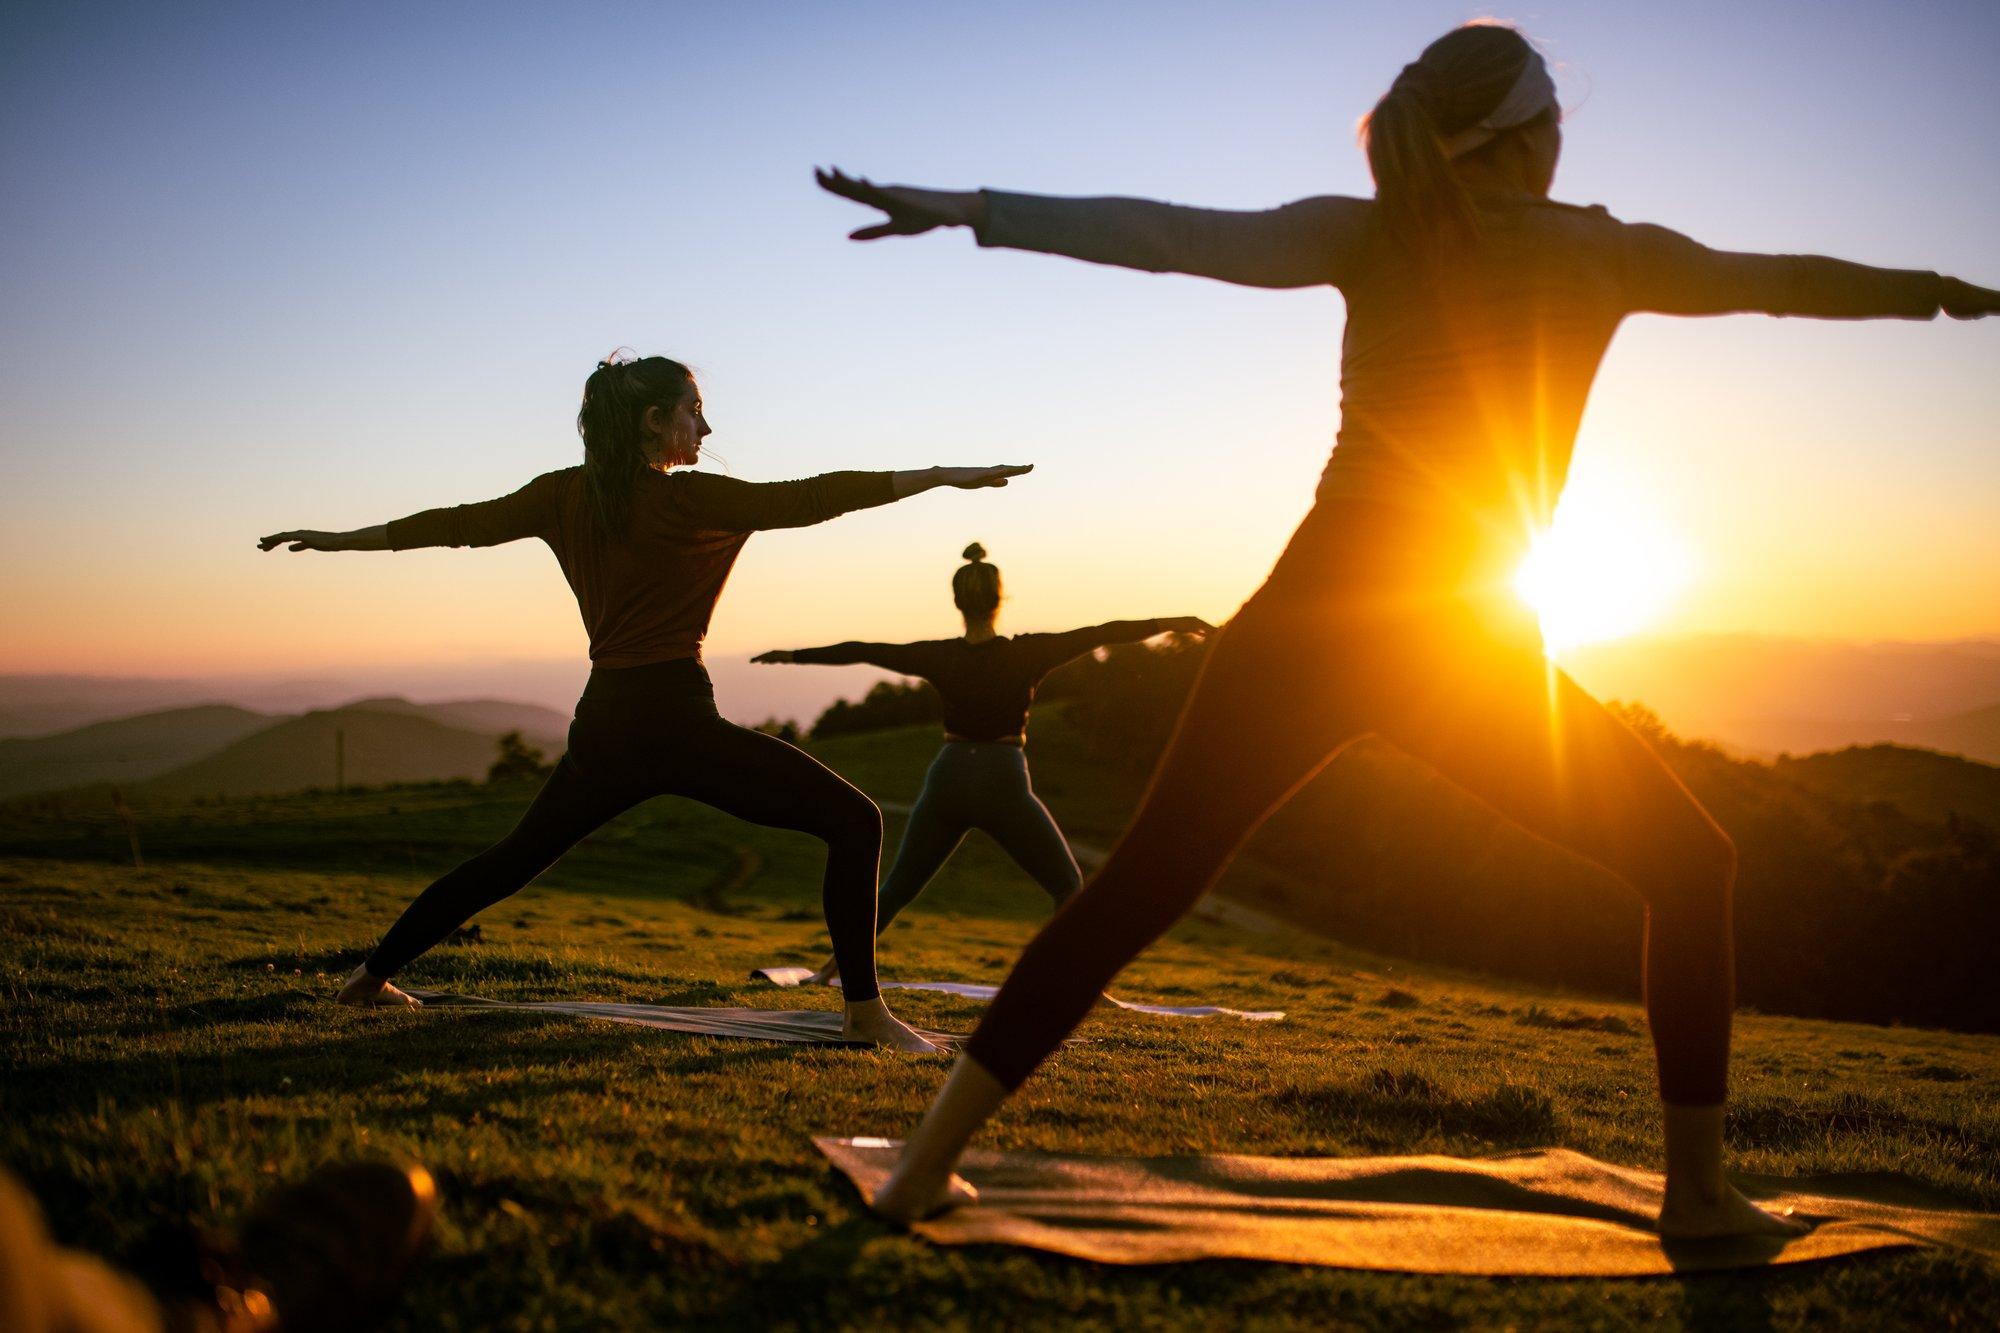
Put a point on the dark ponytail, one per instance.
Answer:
(615, 397)
(1457, 82)
(975, 587)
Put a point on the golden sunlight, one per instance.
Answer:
(1605, 568)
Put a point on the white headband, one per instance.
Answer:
(1533, 93)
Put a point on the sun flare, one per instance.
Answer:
(1604, 569)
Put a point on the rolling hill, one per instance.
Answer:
(543, 727)
(1922, 782)
(123, 751)
(378, 746)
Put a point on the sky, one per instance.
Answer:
(276, 266)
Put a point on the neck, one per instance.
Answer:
(1498, 171)
(979, 631)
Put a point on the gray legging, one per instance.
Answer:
(977, 785)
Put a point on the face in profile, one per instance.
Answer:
(673, 438)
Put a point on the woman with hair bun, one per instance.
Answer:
(646, 546)
(979, 779)
(1477, 312)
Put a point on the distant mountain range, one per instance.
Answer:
(219, 750)
(1756, 695)
(1769, 696)
(127, 750)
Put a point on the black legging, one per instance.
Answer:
(977, 785)
(1372, 622)
(653, 731)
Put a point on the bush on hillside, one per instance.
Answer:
(518, 759)
(888, 704)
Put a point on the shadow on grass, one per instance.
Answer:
(1391, 1108)
(375, 1052)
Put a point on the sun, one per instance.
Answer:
(1604, 569)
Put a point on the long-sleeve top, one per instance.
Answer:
(1462, 393)
(646, 596)
(987, 687)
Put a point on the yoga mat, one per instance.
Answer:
(1553, 1213)
(795, 976)
(811, 1027)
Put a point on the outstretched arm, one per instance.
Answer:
(528, 512)
(1075, 643)
(1309, 243)
(361, 539)
(725, 504)
(1667, 272)
(903, 658)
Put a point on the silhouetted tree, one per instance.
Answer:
(888, 704)
(786, 730)
(518, 759)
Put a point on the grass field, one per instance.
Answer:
(170, 1051)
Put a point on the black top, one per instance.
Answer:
(988, 686)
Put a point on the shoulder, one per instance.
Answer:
(1598, 219)
(689, 489)
(1337, 217)
(1333, 208)
(1576, 219)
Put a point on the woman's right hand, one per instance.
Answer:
(911, 211)
(1186, 625)
(972, 478)
(776, 657)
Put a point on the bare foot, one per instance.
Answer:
(828, 975)
(365, 989)
(1730, 1214)
(870, 1021)
(904, 1200)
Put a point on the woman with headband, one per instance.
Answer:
(1477, 312)
(979, 779)
(646, 548)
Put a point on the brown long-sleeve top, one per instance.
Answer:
(647, 596)
(987, 687)
(1462, 396)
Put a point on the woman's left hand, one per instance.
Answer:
(776, 657)
(304, 541)
(1965, 300)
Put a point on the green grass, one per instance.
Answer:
(170, 1051)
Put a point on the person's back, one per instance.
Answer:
(1458, 387)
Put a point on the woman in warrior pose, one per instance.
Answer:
(646, 548)
(979, 779)
(1477, 312)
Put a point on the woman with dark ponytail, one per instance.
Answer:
(979, 779)
(1477, 312)
(646, 548)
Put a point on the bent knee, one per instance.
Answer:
(851, 817)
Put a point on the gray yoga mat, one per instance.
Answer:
(811, 1027)
(1552, 1213)
(795, 976)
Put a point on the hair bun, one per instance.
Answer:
(974, 552)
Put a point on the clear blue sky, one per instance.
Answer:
(266, 266)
